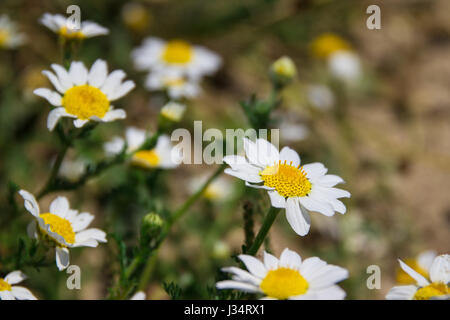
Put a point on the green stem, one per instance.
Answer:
(267, 223)
(53, 174)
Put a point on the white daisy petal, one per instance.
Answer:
(60, 206)
(82, 221)
(22, 293)
(297, 217)
(115, 114)
(317, 206)
(440, 269)
(98, 73)
(327, 276)
(78, 123)
(276, 200)
(6, 295)
(310, 266)
(421, 281)
(78, 73)
(230, 284)
(112, 81)
(54, 116)
(54, 80)
(315, 170)
(91, 234)
(63, 76)
(62, 258)
(289, 155)
(425, 259)
(290, 259)
(243, 175)
(30, 203)
(330, 180)
(53, 97)
(121, 90)
(253, 265)
(242, 275)
(402, 293)
(267, 152)
(270, 261)
(15, 277)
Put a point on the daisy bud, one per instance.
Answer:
(283, 71)
(152, 225)
(173, 111)
(221, 250)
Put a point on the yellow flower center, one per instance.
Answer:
(404, 278)
(4, 36)
(327, 44)
(69, 34)
(286, 179)
(85, 101)
(4, 286)
(432, 290)
(177, 52)
(174, 82)
(283, 283)
(146, 158)
(60, 226)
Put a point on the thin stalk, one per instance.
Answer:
(267, 223)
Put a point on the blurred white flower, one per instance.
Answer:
(177, 86)
(217, 191)
(292, 133)
(320, 96)
(72, 169)
(61, 227)
(10, 38)
(163, 155)
(140, 295)
(345, 65)
(8, 290)
(424, 289)
(175, 56)
(86, 95)
(173, 111)
(134, 137)
(287, 278)
(62, 26)
(420, 264)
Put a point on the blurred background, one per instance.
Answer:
(386, 131)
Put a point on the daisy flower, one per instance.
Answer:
(173, 111)
(217, 191)
(64, 27)
(287, 278)
(420, 264)
(175, 56)
(284, 67)
(296, 188)
(176, 86)
(328, 43)
(163, 155)
(140, 295)
(436, 287)
(84, 95)
(61, 227)
(72, 170)
(8, 290)
(134, 138)
(320, 96)
(345, 65)
(9, 37)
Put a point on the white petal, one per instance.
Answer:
(82, 221)
(242, 275)
(121, 90)
(98, 73)
(289, 155)
(30, 203)
(62, 258)
(290, 259)
(267, 152)
(401, 293)
(270, 261)
(54, 80)
(15, 277)
(114, 114)
(60, 206)
(112, 81)
(310, 266)
(330, 180)
(31, 230)
(78, 73)
(230, 284)
(78, 123)
(89, 234)
(53, 97)
(6, 295)
(297, 217)
(425, 259)
(276, 200)
(254, 266)
(63, 76)
(317, 206)
(140, 295)
(22, 293)
(243, 175)
(54, 116)
(327, 276)
(421, 281)
(314, 170)
(440, 269)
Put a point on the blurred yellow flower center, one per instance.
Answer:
(286, 179)
(70, 34)
(177, 52)
(404, 278)
(174, 82)
(4, 36)
(85, 101)
(60, 226)
(283, 283)
(432, 290)
(328, 43)
(4, 286)
(147, 158)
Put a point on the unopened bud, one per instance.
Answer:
(283, 71)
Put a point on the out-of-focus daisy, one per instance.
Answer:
(175, 56)
(176, 85)
(423, 289)
(328, 43)
(217, 191)
(65, 27)
(163, 155)
(421, 264)
(10, 38)
(140, 295)
(345, 65)
(84, 95)
(297, 188)
(136, 16)
(290, 132)
(134, 137)
(173, 111)
(61, 227)
(72, 169)
(287, 278)
(8, 290)
(320, 96)
(283, 71)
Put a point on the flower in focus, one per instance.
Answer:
(177, 86)
(10, 38)
(163, 155)
(328, 43)
(287, 278)
(421, 264)
(61, 227)
(423, 289)
(140, 295)
(320, 96)
(134, 137)
(65, 28)
(176, 56)
(217, 191)
(173, 111)
(8, 290)
(86, 95)
(296, 188)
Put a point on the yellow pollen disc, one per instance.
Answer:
(328, 43)
(4, 286)
(146, 158)
(283, 283)
(286, 179)
(177, 52)
(72, 35)
(60, 226)
(432, 290)
(85, 101)
(404, 278)
(4, 36)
